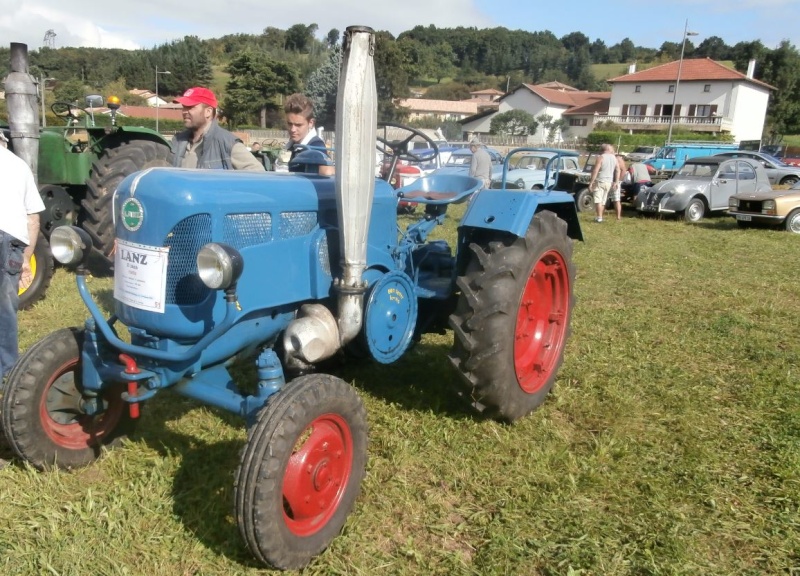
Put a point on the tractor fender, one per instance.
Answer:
(131, 133)
(512, 211)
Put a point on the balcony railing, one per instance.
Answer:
(696, 123)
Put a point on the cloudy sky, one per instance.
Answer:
(147, 23)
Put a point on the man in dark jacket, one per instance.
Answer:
(204, 143)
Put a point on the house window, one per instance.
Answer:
(707, 88)
(702, 111)
(671, 88)
(636, 110)
(638, 88)
(577, 121)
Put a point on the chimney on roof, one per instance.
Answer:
(632, 68)
(751, 68)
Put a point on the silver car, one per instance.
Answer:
(777, 171)
(703, 185)
(642, 153)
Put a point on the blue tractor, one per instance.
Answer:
(290, 270)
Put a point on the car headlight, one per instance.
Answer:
(70, 245)
(219, 265)
(733, 202)
(768, 207)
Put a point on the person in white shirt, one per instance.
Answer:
(19, 229)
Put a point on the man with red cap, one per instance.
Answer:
(204, 143)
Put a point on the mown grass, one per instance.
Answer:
(670, 444)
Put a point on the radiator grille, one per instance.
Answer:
(184, 242)
(242, 230)
(293, 224)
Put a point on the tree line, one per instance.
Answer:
(253, 71)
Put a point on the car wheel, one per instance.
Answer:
(790, 181)
(583, 200)
(694, 211)
(792, 222)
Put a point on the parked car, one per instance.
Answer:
(775, 208)
(460, 159)
(778, 172)
(702, 185)
(642, 153)
(527, 169)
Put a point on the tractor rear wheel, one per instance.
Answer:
(512, 318)
(43, 416)
(113, 165)
(42, 266)
(301, 470)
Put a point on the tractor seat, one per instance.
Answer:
(440, 189)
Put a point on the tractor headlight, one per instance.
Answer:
(70, 245)
(219, 265)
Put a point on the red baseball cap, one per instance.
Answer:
(197, 95)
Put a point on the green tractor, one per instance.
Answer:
(80, 165)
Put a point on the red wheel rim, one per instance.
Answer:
(62, 416)
(541, 322)
(317, 474)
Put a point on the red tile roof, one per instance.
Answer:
(573, 99)
(693, 69)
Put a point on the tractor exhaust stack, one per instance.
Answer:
(356, 127)
(23, 109)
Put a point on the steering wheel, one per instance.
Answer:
(66, 110)
(399, 148)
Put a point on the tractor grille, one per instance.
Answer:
(184, 242)
(293, 224)
(323, 256)
(242, 230)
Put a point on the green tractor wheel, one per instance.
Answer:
(112, 166)
(42, 270)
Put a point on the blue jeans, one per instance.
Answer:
(10, 265)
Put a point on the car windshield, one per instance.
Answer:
(690, 170)
(459, 159)
(532, 162)
(778, 162)
(644, 150)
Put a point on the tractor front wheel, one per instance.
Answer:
(42, 266)
(112, 166)
(43, 415)
(301, 470)
(512, 318)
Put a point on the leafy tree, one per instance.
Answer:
(255, 81)
(300, 38)
(713, 47)
(332, 39)
(550, 126)
(391, 76)
(448, 91)
(322, 88)
(513, 123)
(70, 91)
(781, 69)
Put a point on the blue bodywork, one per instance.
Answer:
(285, 227)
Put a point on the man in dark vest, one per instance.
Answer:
(204, 143)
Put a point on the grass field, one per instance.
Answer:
(670, 444)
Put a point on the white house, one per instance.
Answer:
(553, 99)
(709, 98)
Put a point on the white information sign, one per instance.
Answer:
(140, 275)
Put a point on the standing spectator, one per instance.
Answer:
(616, 189)
(204, 143)
(481, 164)
(604, 173)
(19, 229)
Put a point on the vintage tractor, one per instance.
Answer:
(290, 270)
(79, 165)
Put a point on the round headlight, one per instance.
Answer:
(69, 244)
(219, 265)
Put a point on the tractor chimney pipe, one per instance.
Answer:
(23, 109)
(356, 131)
